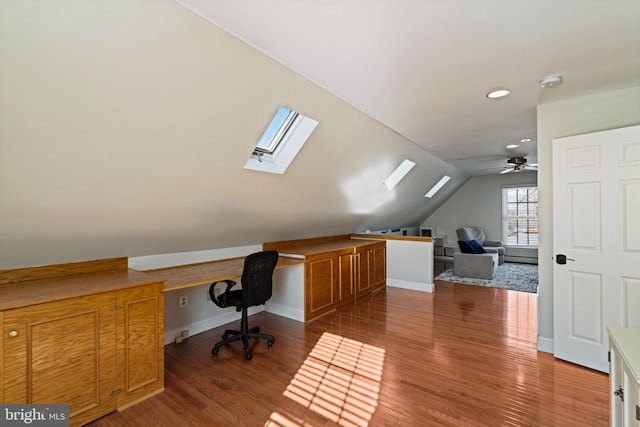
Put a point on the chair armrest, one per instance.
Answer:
(496, 243)
(221, 300)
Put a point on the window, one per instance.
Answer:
(520, 216)
(281, 141)
(276, 131)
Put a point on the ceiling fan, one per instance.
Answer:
(519, 163)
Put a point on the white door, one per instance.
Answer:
(596, 225)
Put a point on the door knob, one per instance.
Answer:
(13, 334)
(562, 259)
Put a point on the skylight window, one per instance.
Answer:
(399, 173)
(281, 141)
(438, 186)
(276, 131)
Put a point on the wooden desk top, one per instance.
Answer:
(24, 293)
(308, 247)
(186, 276)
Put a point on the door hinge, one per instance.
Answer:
(638, 412)
(116, 307)
(608, 356)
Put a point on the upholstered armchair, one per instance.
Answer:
(477, 234)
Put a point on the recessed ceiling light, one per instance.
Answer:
(512, 146)
(498, 93)
(550, 81)
(525, 140)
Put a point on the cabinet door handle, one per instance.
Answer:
(13, 334)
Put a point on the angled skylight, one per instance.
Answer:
(276, 130)
(281, 141)
(438, 186)
(399, 173)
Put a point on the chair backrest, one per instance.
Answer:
(471, 233)
(257, 277)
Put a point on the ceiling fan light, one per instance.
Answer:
(512, 146)
(551, 81)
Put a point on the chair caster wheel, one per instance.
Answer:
(270, 343)
(225, 336)
(214, 351)
(248, 356)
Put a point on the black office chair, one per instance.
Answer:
(257, 280)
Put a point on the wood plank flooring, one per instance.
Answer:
(462, 356)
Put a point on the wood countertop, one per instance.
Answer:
(308, 247)
(30, 292)
(186, 276)
(391, 237)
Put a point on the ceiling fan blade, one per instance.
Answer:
(507, 171)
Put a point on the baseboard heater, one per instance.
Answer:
(521, 255)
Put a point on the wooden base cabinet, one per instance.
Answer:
(96, 353)
(335, 278)
(624, 376)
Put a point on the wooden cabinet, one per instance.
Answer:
(624, 376)
(320, 284)
(98, 346)
(379, 265)
(140, 343)
(349, 270)
(63, 352)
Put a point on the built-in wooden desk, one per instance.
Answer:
(337, 269)
(187, 276)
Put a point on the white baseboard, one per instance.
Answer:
(414, 286)
(284, 311)
(206, 324)
(231, 316)
(545, 345)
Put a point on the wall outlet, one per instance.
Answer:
(183, 301)
(178, 338)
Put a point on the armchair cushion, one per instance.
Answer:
(470, 247)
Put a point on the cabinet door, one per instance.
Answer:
(616, 369)
(346, 291)
(631, 398)
(140, 343)
(319, 295)
(379, 265)
(63, 352)
(363, 273)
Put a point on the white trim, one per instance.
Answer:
(414, 286)
(206, 324)
(545, 345)
(284, 311)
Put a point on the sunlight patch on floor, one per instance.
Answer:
(340, 380)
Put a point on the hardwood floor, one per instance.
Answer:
(462, 356)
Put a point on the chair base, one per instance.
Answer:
(244, 335)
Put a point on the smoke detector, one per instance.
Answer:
(551, 81)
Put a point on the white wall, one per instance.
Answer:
(609, 110)
(125, 127)
(477, 202)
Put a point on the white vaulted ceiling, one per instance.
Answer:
(423, 67)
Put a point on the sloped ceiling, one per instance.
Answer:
(124, 128)
(423, 67)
